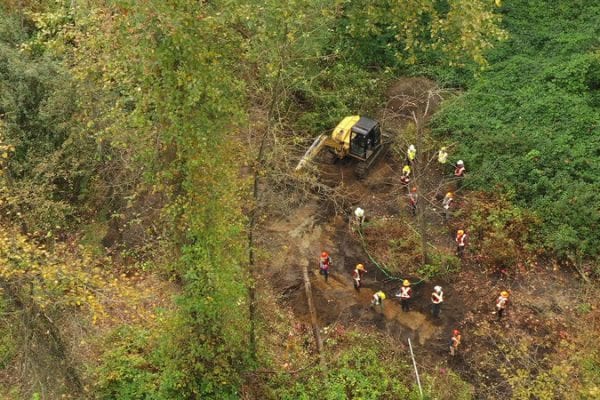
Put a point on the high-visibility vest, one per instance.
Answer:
(459, 171)
(324, 263)
(405, 292)
(437, 298)
(412, 198)
(460, 240)
(501, 302)
(455, 341)
(380, 295)
(356, 274)
(442, 157)
(412, 154)
(447, 201)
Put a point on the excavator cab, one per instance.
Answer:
(365, 137)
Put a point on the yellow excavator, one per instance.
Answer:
(355, 136)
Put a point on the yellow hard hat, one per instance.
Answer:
(360, 267)
(504, 293)
(449, 194)
(406, 283)
(460, 232)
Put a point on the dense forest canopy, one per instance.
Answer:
(146, 145)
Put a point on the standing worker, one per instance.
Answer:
(405, 177)
(459, 171)
(437, 298)
(357, 275)
(413, 197)
(442, 156)
(405, 294)
(378, 299)
(359, 216)
(454, 342)
(448, 198)
(501, 303)
(461, 242)
(411, 153)
(324, 264)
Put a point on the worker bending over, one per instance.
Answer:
(378, 299)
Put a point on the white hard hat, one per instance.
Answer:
(359, 212)
(412, 147)
(460, 162)
(437, 288)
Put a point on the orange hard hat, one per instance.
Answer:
(504, 293)
(449, 194)
(460, 232)
(324, 254)
(414, 189)
(456, 332)
(360, 267)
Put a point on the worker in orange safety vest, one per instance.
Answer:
(324, 264)
(357, 275)
(437, 298)
(411, 153)
(413, 197)
(405, 295)
(459, 171)
(501, 303)
(461, 242)
(455, 342)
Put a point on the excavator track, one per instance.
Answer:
(362, 169)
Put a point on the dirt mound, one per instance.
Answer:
(411, 94)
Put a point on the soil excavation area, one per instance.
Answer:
(542, 297)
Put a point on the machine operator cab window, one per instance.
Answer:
(365, 138)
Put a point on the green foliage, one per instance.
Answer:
(357, 374)
(391, 33)
(126, 371)
(440, 265)
(537, 109)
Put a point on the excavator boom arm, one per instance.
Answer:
(312, 151)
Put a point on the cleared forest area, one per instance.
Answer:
(157, 243)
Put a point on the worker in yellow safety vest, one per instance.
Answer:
(405, 177)
(411, 153)
(378, 299)
(442, 156)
